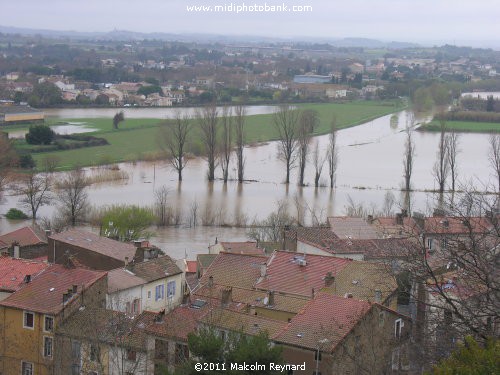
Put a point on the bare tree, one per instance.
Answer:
(285, 120)
(319, 162)
(271, 229)
(8, 159)
(308, 120)
(494, 155)
(408, 158)
(173, 137)
(34, 190)
(332, 153)
(453, 150)
(72, 194)
(239, 119)
(161, 205)
(441, 167)
(227, 141)
(207, 120)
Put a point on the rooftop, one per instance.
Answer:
(248, 247)
(49, 287)
(93, 242)
(13, 272)
(154, 269)
(327, 316)
(352, 228)
(25, 236)
(297, 273)
(121, 279)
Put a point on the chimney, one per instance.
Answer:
(126, 262)
(210, 281)
(370, 219)
(251, 310)
(227, 296)
(263, 270)
(27, 279)
(65, 297)
(70, 292)
(399, 219)
(48, 232)
(378, 296)
(75, 289)
(16, 251)
(270, 296)
(329, 279)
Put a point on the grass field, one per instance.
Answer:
(137, 139)
(464, 126)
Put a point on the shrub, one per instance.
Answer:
(15, 214)
(26, 161)
(40, 135)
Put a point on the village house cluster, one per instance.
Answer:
(332, 297)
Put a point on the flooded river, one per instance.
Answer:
(370, 165)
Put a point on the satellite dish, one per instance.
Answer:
(266, 301)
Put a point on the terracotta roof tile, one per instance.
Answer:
(178, 323)
(155, 269)
(25, 236)
(455, 225)
(296, 273)
(352, 227)
(13, 271)
(362, 279)
(237, 270)
(44, 294)
(326, 317)
(248, 247)
(120, 279)
(191, 266)
(93, 242)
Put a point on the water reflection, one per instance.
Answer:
(370, 164)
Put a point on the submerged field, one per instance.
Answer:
(464, 126)
(138, 139)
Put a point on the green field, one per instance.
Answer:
(464, 126)
(137, 139)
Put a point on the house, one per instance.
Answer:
(337, 335)
(96, 340)
(28, 324)
(25, 242)
(154, 285)
(15, 272)
(247, 247)
(91, 250)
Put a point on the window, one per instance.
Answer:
(398, 324)
(429, 243)
(48, 324)
(159, 292)
(75, 369)
(444, 243)
(131, 355)
(136, 306)
(26, 368)
(127, 308)
(29, 320)
(149, 294)
(181, 353)
(170, 289)
(75, 350)
(47, 346)
(94, 353)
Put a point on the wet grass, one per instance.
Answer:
(464, 126)
(137, 139)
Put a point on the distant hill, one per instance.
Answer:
(126, 35)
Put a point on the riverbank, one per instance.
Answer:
(462, 126)
(137, 139)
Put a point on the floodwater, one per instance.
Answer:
(482, 94)
(369, 166)
(67, 128)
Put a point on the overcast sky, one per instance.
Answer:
(429, 21)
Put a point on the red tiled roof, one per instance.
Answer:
(319, 237)
(120, 279)
(25, 236)
(248, 247)
(191, 266)
(178, 323)
(376, 248)
(352, 227)
(286, 274)
(155, 269)
(13, 271)
(44, 294)
(456, 225)
(327, 319)
(238, 270)
(93, 242)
